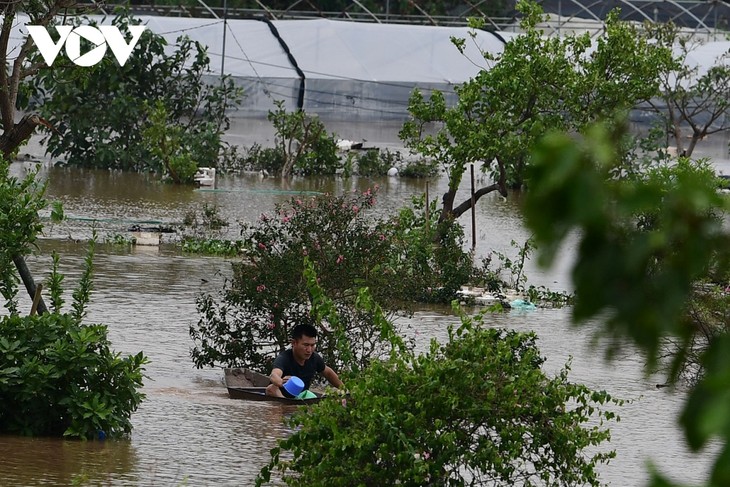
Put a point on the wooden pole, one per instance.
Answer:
(473, 213)
(36, 299)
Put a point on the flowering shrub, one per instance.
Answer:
(269, 294)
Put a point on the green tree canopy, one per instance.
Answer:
(536, 84)
(58, 376)
(694, 102)
(476, 410)
(99, 114)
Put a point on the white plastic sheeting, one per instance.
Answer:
(350, 70)
(704, 56)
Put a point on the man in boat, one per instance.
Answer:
(300, 361)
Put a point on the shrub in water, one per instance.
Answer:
(59, 377)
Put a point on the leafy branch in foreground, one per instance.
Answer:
(476, 409)
(646, 244)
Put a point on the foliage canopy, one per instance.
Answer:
(58, 376)
(99, 118)
(537, 83)
(268, 295)
(396, 260)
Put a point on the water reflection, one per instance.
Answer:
(29, 461)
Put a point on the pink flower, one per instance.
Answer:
(340, 258)
(299, 202)
(381, 237)
(271, 326)
(285, 219)
(262, 246)
(355, 208)
(260, 288)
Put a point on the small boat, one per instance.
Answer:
(259, 394)
(247, 384)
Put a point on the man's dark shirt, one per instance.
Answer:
(285, 361)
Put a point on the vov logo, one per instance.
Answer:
(100, 37)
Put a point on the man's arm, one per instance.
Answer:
(276, 377)
(332, 377)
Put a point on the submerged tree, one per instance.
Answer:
(16, 66)
(249, 322)
(100, 114)
(694, 98)
(58, 376)
(303, 142)
(536, 84)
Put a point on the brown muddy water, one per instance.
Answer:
(188, 432)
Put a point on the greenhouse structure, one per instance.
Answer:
(341, 69)
(329, 67)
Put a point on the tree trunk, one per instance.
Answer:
(466, 205)
(447, 205)
(9, 141)
(449, 212)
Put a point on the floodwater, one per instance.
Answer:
(188, 432)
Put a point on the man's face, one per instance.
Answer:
(303, 348)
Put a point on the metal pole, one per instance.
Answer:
(560, 16)
(225, 29)
(473, 213)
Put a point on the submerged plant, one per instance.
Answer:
(60, 377)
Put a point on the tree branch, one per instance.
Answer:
(17, 134)
(466, 205)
